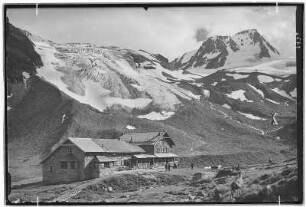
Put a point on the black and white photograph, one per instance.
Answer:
(157, 103)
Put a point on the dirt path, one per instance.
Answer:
(229, 117)
(262, 132)
(73, 192)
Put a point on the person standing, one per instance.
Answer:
(166, 166)
(192, 166)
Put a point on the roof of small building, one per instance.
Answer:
(165, 155)
(144, 156)
(105, 159)
(115, 145)
(146, 137)
(86, 144)
(98, 145)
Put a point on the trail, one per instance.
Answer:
(211, 106)
(273, 130)
(75, 191)
(193, 152)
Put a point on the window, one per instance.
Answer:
(69, 151)
(106, 164)
(50, 168)
(72, 165)
(64, 165)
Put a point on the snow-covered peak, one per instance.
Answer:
(248, 31)
(241, 49)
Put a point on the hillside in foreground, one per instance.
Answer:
(261, 183)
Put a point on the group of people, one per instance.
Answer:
(167, 166)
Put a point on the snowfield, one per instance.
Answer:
(268, 68)
(293, 93)
(257, 90)
(237, 76)
(188, 55)
(251, 116)
(238, 94)
(214, 83)
(129, 127)
(272, 101)
(282, 93)
(265, 79)
(138, 103)
(26, 75)
(157, 116)
(103, 86)
(227, 106)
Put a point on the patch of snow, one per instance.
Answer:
(272, 101)
(267, 68)
(257, 90)
(9, 96)
(244, 54)
(190, 94)
(163, 115)
(223, 79)
(277, 79)
(129, 127)
(138, 103)
(63, 118)
(201, 71)
(212, 55)
(198, 84)
(138, 87)
(251, 116)
(206, 94)
(293, 93)
(281, 92)
(26, 75)
(238, 94)
(265, 79)
(237, 76)
(9, 108)
(214, 83)
(188, 55)
(227, 106)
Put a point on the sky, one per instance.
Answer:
(167, 31)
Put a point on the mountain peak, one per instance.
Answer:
(217, 51)
(248, 31)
